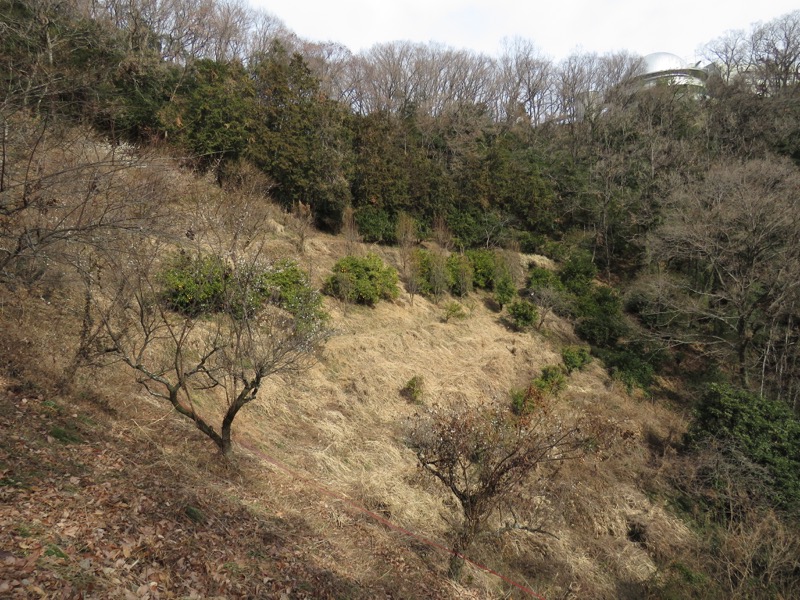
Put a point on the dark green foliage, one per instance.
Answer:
(601, 321)
(765, 430)
(552, 380)
(299, 137)
(374, 224)
(434, 277)
(578, 272)
(212, 116)
(362, 280)
(461, 274)
(484, 267)
(575, 358)
(55, 61)
(504, 289)
(544, 278)
(630, 364)
(523, 314)
(286, 285)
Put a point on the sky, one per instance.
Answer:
(558, 28)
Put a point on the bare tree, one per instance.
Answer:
(233, 347)
(61, 190)
(775, 48)
(407, 239)
(484, 456)
(527, 82)
(732, 241)
(729, 54)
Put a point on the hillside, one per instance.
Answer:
(108, 493)
(280, 320)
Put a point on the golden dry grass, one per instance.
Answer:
(339, 429)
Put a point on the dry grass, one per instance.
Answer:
(339, 429)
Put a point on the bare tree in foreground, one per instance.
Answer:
(484, 456)
(251, 330)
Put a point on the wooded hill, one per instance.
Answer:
(475, 296)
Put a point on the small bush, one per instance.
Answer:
(362, 280)
(194, 285)
(374, 224)
(461, 274)
(504, 289)
(549, 384)
(453, 310)
(286, 285)
(523, 315)
(601, 321)
(484, 268)
(544, 278)
(578, 272)
(206, 284)
(575, 358)
(552, 380)
(522, 401)
(630, 365)
(432, 272)
(414, 389)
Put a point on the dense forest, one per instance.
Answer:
(673, 215)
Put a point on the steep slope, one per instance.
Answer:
(107, 493)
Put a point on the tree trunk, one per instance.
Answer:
(464, 540)
(198, 420)
(456, 565)
(742, 346)
(243, 398)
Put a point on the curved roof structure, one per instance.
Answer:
(662, 61)
(663, 67)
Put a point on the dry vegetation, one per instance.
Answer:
(107, 493)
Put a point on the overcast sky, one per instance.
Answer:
(557, 27)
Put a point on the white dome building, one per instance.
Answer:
(663, 67)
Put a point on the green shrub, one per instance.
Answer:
(374, 224)
(205, 284)
(631, 364)
(362, 280)
(504, 289)
(286, 285)
(544, 278)
(552, 380)
(453, 310)
(548, 385)
(601, 322)
(521, 403)
(433, 275)
(414, 389)
(575, 358)
(578, 272)
(194, 285)
(523, 314)
(461, 274)
(765, 430)
(484, 268)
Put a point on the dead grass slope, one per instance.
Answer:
(106, 493)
